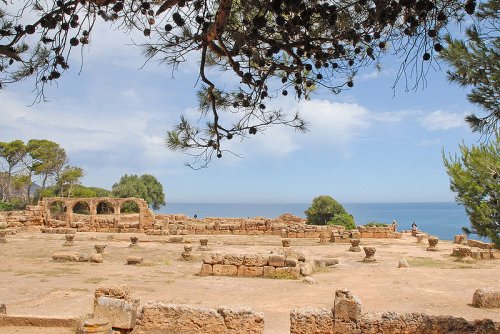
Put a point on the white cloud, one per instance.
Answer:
(442, 120)
(83, 131)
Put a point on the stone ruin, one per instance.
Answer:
(433, 241)
(286, 264)
(370, 254)
(117, 311)
(470, 250)
(345, 317)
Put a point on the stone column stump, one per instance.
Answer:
(370, 254)
(203, 245)
(465, 254)
(134, 242)
(420, 237)
(322, 238)
(355, 245)
(285, 242)
(100, 248)
(95, 326)
(187, 255)
(69, 240)
(433, 241)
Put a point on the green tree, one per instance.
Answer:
(343, 219)
(475, 63)
(47, 159)
(475, 178)
(322, 210)
(271, 48)
(145, 186)
(13, 153)
(69, 177)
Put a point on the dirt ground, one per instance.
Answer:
(32, 284)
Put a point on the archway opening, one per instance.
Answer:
(105, 208)
(81, 208)
(129, 207)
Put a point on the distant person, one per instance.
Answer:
(414, 226)
(195, 216)
(394, 225)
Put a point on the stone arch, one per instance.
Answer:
(81, 207)
(104, 212)
(105, 207)
(128, 206)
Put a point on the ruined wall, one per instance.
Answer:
(285, 263)
(286, 226)
(346, 318)
(379, 232)
(31, 217)
(185, 319)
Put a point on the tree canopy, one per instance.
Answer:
(278, 47)
(475, 177)
(323, 209)
(145, 186)
(39, 159)
(475, 63)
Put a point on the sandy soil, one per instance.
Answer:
(32, 284)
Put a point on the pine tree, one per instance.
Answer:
(475, 63)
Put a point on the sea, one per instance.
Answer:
(443, 219)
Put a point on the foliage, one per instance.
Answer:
(475, 178)
(322, 210)
(145, 186)
(343, 219)
(69, 177)
(82, 191)
(375, 224)
(272, 48)
(48, 159)
(475, 63)
(13, 153)
(130, 207)
(6, 206)
(47, 192)
(99, 192)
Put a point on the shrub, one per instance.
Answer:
(322, 210)
(15, 204)
(376, 224)
(343, 219)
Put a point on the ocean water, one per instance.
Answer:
(441, 219)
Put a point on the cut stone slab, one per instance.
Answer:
(134, 259)
(120, 313)
(65, 257)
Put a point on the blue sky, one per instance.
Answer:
(369, 144)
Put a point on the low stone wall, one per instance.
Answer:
(480, 244)
(286, 263)
(345, 317)
(286, 226)
(32, 321)
(379, 232)
(31, 217)
(185, 319)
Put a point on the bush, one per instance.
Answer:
(5, 206)
(14, 204)
(322, 210)
(343, 219)
(376, 224)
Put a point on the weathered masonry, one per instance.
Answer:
(96, 214)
